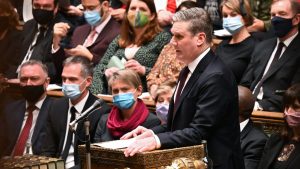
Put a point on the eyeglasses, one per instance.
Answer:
(90, 7)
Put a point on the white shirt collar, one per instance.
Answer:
(243, 124)
(192, 66)
(79, 106)
(289, 40)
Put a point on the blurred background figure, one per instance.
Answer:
(253, 139)
(283, 150)
(167, 67)
(162, 99)
(10, 39)
(138, 46)
(128, 110)
(236, 51)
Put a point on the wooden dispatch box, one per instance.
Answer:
(104, 158)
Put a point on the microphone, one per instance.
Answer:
(96, 105)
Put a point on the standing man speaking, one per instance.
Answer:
(205, 103)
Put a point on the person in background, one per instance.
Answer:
(205, 103)
(253, 139)
(162, 99)
(167, 67)
(10, 39)
(128, 110)
(61, 141)
(236, 51)
(282, 150)
(23, 121)
(275, 62)
(138, 46)
(89, 40)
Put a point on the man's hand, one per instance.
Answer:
(79, 50)
(140, 131)
(60, 30)
(135, 66)
(75, 11)
(118, 14)
(164, 17)
(140, 145)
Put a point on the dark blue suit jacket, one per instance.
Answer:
(280, 76)
(11, 123)
(207, 109)
(57, 123)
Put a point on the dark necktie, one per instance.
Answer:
(275, 59)
(41, 35)
(20, 145)
(70, 135)
(182, 79)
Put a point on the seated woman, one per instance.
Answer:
(283, 150)
(167, 67)
(236, 51)
(10, 39)
(127, 111)
(162, 100)
(139, 44)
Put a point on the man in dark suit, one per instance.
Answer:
(60, 141)
(207, 107)
(253, 140)
(23, 121)
(275, 62)
(89, 40)
(37, 36)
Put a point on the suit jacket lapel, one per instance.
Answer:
(195, 75)
(43, 113)
(19, 115)
(88, 103)
(246, 130)
(63, 121)
(265, 56)
(275, 149)
(289, 52)
(81, 36)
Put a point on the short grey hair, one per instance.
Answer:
(86, 65)
(198, 19)
(34, 62)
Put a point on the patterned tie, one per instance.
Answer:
(20, 145)
(182, 79)
(70, 135)
(275, 59)
(90, 38)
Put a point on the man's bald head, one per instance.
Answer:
(246, 102)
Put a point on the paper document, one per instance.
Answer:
(116, 144)
(53, 87)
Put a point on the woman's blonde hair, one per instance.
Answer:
(241, 7)
(127, 76)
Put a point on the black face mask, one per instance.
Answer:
(3, 23)
(42, 16)
(33, 93)
(282, 26)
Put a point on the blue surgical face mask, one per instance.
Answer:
(232, 24)
(92, 17)
(124, 100)
(282, 26)
(162, 112)
(72, 91)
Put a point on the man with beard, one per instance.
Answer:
(89, 40)
(23, 121)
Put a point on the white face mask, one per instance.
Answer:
(72, 91)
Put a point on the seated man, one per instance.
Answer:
(37, 34)
(253, 140)
(23, 122)
(60, 140)
(275, 62)
(89, 40)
